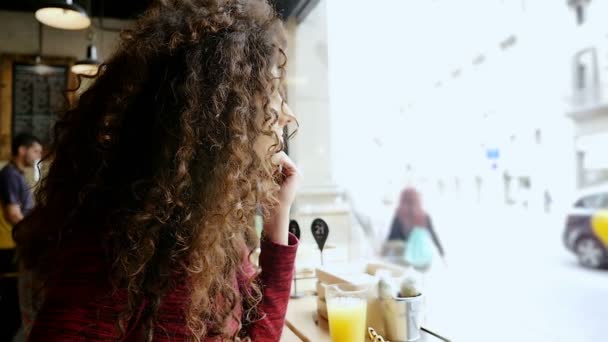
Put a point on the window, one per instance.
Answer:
(596, 201)
(604, 201)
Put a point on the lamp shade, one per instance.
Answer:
(88, 66)
(63, 15)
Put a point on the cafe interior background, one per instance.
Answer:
(496, 111)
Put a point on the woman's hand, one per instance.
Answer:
(276, 227)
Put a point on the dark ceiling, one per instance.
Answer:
(129, 9)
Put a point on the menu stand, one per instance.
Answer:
(294, 228)
(320, 231)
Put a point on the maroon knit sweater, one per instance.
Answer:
(79, 304)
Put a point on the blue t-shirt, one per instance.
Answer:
(14, 189)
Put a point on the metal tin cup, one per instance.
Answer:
(402, 318)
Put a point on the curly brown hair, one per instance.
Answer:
(158, 155)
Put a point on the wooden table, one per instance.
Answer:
(289, 336)
(302, 321)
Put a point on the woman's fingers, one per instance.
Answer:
(287, 167)
(289, 178)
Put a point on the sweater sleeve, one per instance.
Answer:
(79, 304)
(277, 263)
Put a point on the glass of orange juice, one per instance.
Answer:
(347, 311)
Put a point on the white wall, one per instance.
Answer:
(309, 98)
(19, 35)
(365, 76)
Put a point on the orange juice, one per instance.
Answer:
(347, 317)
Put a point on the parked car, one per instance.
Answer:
(579, 236)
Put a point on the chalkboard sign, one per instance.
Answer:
(320, 231)
(38, 94)
(294, 228)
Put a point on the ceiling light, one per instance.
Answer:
(63, 15)
(88, 66)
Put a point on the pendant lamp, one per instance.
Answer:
(63, 14)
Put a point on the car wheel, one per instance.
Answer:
(590, 252)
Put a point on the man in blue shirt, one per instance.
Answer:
(15, 201)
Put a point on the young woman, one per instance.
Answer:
(143, 225)
(410, 214)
